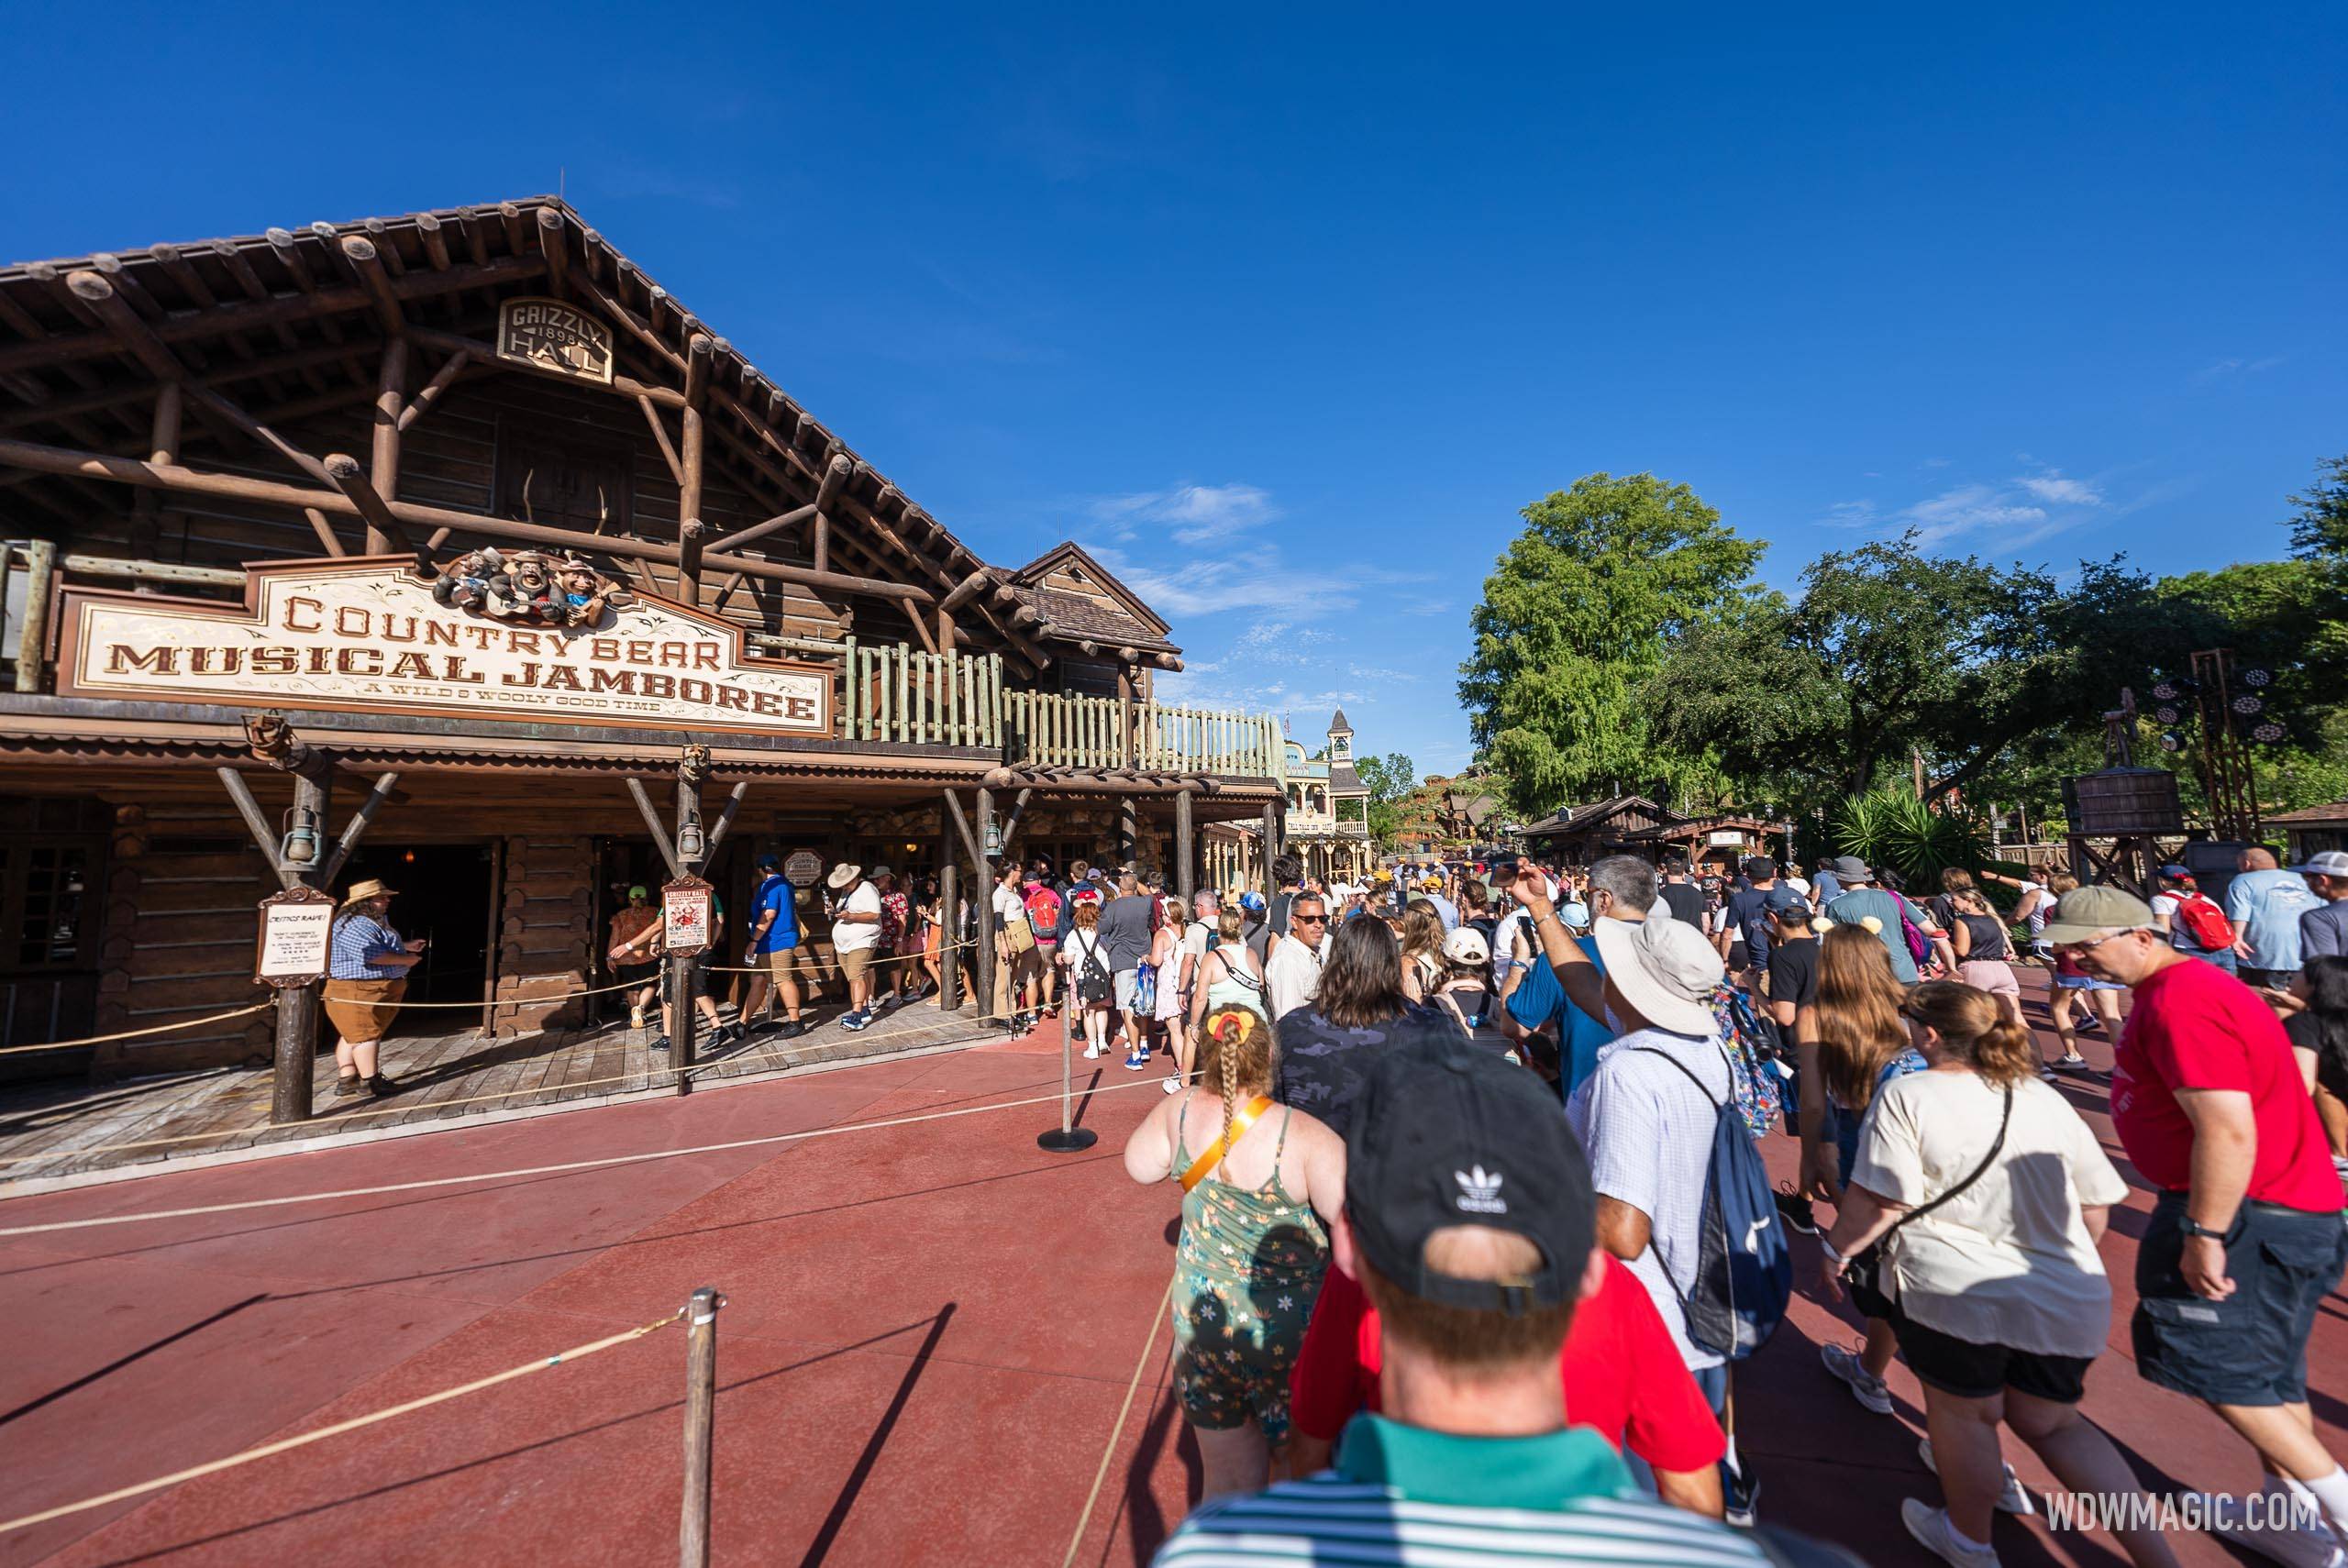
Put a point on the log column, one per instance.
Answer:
(983, 894)
(1185, 881)
(1271, 850)
(163, 446)
(691, 469)
(384, 467)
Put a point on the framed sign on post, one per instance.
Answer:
(296, 934)
(688, 906)
(804, 867)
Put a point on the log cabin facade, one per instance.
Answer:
(238, 481)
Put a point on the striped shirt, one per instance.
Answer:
(1404, 1495)
(359, 940)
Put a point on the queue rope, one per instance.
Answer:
(492, 1002)
(561, 1358)
(1109, 1451)
(603, 1162)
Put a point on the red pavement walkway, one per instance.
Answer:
(931, 1332)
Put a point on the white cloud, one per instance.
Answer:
(2232, 369)
(1199, 514)
(2051, 488)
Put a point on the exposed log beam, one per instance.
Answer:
(661, 436)
(367, 263)
(921, 626)
(964, 590)
(63, 460)
(742, 536)
(324, 304)
(112, 397)
(385, 533)
(557, 253)
(440, 382)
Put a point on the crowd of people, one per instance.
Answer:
(1470, 1244)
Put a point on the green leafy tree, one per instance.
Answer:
(1575, 617)
(1389, 778)
(2319, 531)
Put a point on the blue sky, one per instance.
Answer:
(1285, 310)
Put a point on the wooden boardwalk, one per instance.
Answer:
(62, 1129)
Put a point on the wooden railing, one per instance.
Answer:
(892, 691)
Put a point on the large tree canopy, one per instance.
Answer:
(1575, 617)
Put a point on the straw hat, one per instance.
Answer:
(360, 892)
(844, 876)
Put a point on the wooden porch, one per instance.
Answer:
(52, 1130)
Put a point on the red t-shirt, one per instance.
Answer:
(2196, 1027)
(1622, 1372)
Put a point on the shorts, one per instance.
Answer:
(785, 962)
(1128, 988)
(2251, 1348)
(2087, 983)
(645, 974)
(363, 1009)
(1992, 975)
(2272, 979)
(854, 962)
(1975, 1371)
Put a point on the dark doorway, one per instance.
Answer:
(444, 896)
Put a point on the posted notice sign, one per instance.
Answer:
(802, 868)
(296, 935)
(687, 906)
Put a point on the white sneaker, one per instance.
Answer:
(2014, 1499)
(1094, 1053)
(1931, 1530)
(1843, 1363)
(1173, 1084)
(2316, 1548)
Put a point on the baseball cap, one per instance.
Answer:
(1253, 902)
(2330, 863)
(1785, 900)
(2176, 873)
(1448, 1136)
(1759, 865)
(1467, 946)
(639, 892)
(2082, 913)
(769, 863)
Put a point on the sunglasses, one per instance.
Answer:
(1309, 919)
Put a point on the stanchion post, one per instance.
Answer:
(297, 1049)
(1067, 1138)
(701, 1424)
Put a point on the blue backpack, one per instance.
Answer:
(1745, 1271)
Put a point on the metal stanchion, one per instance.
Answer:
(1067, 1138)
(701, 1424)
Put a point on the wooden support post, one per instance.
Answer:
(1185, 880)
(1128, 830)
(827, 496)
(701, 1424)
(684, 974)
(32, 639)
(983, 895)
(439, 383)
(162, 447)
(742, 536)
(689, 473)
(296, 1051)
(1271, 851)
(558, 254)
(652, 822)
(950, 953)
(383, 470)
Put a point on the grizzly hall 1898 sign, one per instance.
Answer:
(555, 337)
(358, 633)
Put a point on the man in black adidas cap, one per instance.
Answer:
(1469, 1221)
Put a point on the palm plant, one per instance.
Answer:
(1891, 827)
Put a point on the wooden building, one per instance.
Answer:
(248, 485)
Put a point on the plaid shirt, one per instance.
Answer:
(359, 942)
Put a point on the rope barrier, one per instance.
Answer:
(603, 1162)
(137, 1033)
(576, 1353)
(1084, 1520)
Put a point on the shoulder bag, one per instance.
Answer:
(1863, 1275)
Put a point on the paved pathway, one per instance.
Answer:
(933, 1326)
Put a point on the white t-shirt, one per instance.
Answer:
(857, 936)
(1798, 884)
(1292, 978)
(1008, 905)
(2007, 1261)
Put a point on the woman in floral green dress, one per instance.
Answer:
(1261, 1182)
